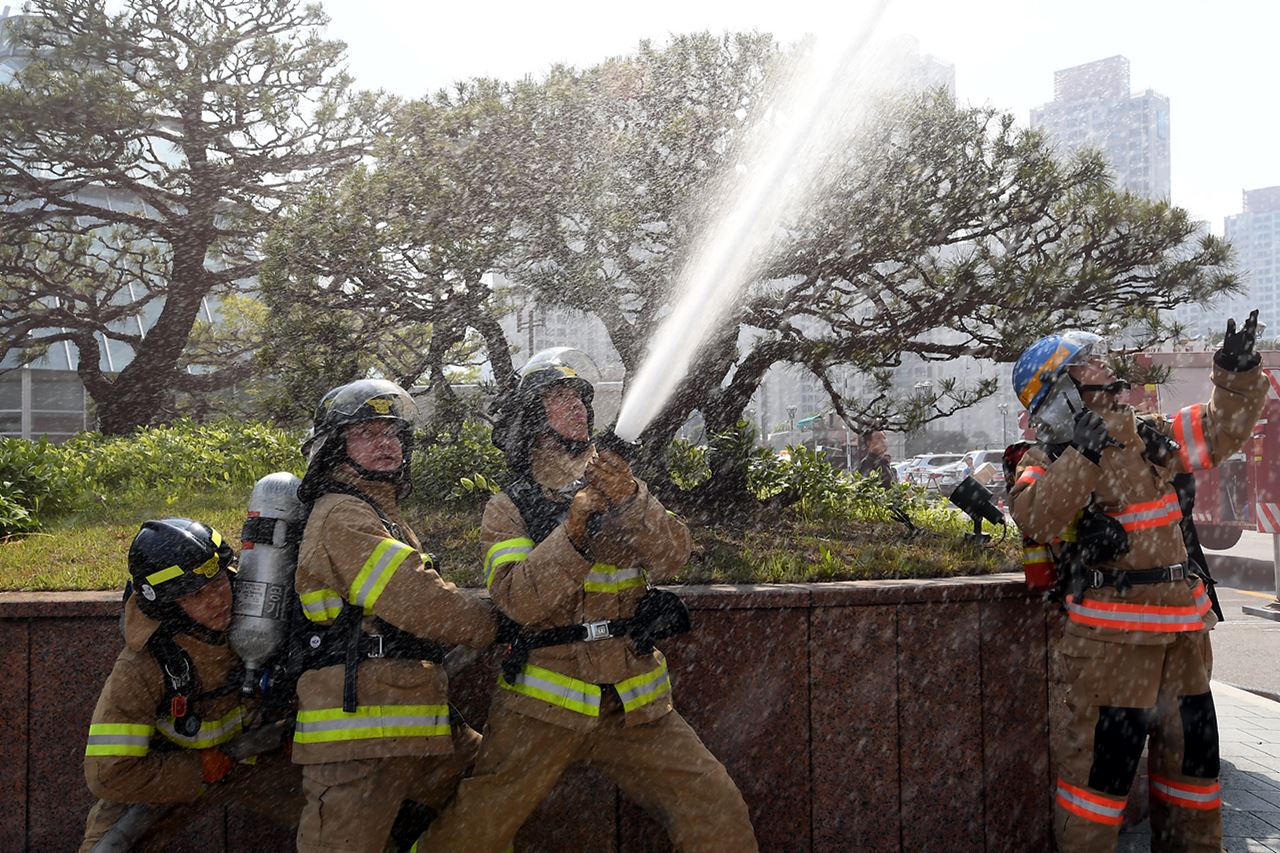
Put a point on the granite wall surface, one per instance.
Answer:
(881, 715)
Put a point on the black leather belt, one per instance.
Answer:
(1120, 579)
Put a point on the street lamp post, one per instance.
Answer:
(924, 387)
(1004, 422)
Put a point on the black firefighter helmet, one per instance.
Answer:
(347, 405)
(521, 419)
(174, 557)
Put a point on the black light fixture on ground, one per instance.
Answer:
(975, 500)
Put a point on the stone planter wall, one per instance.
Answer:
(870, 716)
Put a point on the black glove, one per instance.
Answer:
(1237, 353)
(659, 614)
(1090, 436)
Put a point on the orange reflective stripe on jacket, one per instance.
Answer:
(1143, 516)
(1188, 430)
(1208, 796)
(1141, 617)
(1098, 808)
(1030, 474)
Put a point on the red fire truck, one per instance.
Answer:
(1243, 492)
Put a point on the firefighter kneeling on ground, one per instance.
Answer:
(172, 704)
(569, 548)
(1135, 650)
(374, 725)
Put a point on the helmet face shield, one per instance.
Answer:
(564, 362)
(1055, 418)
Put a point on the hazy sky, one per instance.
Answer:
(1217, 62)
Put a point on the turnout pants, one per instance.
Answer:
(352, 805)
(663, 766)
(1118, 696)
(270, 787)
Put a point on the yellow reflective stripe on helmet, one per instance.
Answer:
(368, 722)
(1061, 354)
(212, 732)
(555, 689)
(377, 572)
(119, 739)
(643, 689)
(216, 537)
(321, 605)
(606, 578)
(157, 578)
(506, 551)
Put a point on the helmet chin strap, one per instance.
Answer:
(573, 445)
(380, 476)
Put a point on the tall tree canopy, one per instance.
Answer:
(943, 230)
(143, 153)
(400, 246)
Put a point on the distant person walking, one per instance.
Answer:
(876, 461)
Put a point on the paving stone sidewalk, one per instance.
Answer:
(1249, 728)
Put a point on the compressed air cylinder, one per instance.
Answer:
(263, 588)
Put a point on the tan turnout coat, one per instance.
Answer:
(1048, 497)
(347, 554)
(130, 755)
(551, 584)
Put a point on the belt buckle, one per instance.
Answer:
(1096, 579)
(380, 651)
(1177, 572)
(597, 630)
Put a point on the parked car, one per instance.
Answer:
(926, 463)
(900, 469)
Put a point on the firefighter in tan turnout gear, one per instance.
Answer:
(569, 549)
(1097, 488)
(374, 726)
(172, 704)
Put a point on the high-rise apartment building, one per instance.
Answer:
(1092, 107)
(1254, 233)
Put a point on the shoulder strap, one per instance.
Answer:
(181, 682)
(540, 515)
(392, 527)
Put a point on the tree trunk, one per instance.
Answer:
(140, 394)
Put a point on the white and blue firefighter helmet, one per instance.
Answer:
(1043, 385)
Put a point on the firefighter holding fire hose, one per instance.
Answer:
(570, 547)
(1098, 487)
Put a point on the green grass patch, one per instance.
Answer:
(88, 549)
(799, 552)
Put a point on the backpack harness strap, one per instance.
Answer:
(344, 641)
(182, 683)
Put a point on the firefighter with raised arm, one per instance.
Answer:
(161, 733)
(1135, 650)
(570, 547)
(374, 727)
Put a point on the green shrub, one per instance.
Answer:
(687, 464)
(184, 457)
(37, 479)
(457, 469)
